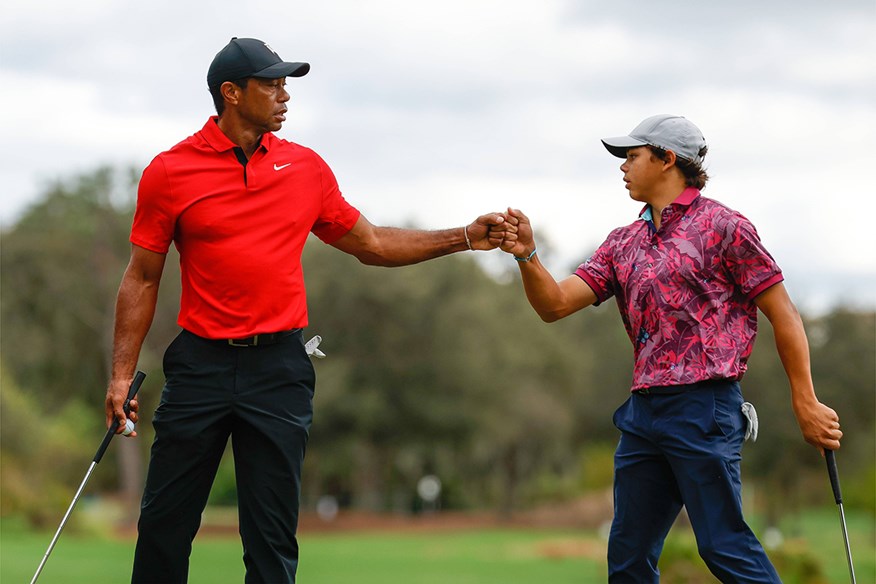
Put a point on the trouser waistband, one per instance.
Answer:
(675, 389)
(256, 340)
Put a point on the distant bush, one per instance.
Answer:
(794, 561)
(44, 456)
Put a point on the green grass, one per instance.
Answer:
(469, 557)
(484, 556)
(477, 557)
(822, 531)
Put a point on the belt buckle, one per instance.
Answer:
(236, 343)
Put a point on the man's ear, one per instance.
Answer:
(671, 158)
(230, 92)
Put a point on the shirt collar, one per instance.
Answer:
(685, 199)
(648, 217)
(217, 139)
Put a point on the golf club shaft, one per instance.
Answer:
(64, 522)
(848, 546)
(111, 431)
(838, 497)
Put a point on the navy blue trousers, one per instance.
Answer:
(262, 398)
(682, 449)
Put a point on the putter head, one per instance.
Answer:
(310, 347)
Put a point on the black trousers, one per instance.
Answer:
(261, 397)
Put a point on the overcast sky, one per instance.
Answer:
(434, 112)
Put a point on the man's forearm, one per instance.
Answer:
(135, 309)
(553, 300)
(541, 289)
(818, 423)
(402, 247)
(394, 246)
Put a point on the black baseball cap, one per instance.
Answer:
(243, 58)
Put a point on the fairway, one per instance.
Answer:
(461, 556)
(476, 557)
(467, 557)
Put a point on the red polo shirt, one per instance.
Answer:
(240, 230)
(686, 291)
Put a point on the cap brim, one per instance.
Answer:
(619, 146)
(278, 70)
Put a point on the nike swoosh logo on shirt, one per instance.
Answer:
(282, 166)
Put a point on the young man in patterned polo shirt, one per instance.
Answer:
(688, 277)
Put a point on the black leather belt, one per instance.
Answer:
(260, 340)
(675, 389)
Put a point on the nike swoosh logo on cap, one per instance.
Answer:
(281, 166)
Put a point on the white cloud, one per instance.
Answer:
(440, 111)
(57, 137)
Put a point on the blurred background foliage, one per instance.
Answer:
(440, 368)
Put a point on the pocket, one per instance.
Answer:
(171, 353)
(727, 412)
(620, 416)
(297, 365)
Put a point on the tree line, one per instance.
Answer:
(440, 368)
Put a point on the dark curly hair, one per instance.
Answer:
(694, 173)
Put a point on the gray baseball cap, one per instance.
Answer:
(664, 131)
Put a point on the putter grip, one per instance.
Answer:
(135, 387)
(834, 476)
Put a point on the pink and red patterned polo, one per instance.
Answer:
(686, 291)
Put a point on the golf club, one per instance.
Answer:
(135, 387)
(838, 496)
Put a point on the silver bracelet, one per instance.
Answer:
(467, 240)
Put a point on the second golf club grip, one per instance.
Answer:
(132, 391)
(834, 475)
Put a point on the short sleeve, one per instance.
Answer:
(336, 216)
(750, 265)
(598, 271)
(154, 221)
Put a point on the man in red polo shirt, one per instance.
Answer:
(688, 276)
(239, 202)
